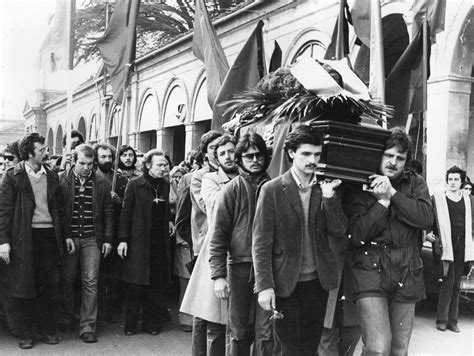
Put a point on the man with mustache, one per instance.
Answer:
(88, 219)
(294, 266)
(386, 269)
(127, 162)
(232, 237)
(110, 287)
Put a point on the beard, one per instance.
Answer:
(254, 174)
(230, 170)
(105, 167)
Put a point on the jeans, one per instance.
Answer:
(299, 332)
(148, 297)
(43, 307)
(241, 300)
(386, 326)
(448, 301)
(111, 288)
(208, 338)
(340, 340)
(87, 255)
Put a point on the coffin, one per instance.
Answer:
(350, 152)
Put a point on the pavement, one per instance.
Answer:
(426, 340)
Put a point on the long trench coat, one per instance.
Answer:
(17, 206)
(135, 229)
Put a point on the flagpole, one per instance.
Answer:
(119, 138)
(424, 72)
(340, 32)
(377, 64)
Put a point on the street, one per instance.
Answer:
(426, 340)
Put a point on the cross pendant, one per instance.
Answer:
(156, 200)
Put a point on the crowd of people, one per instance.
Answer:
(295, 265)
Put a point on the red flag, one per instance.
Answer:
(275, 60)
(57, 50)
(434, 11)
(249, 67)
(207, 48)
(118, 45)
(339, 46)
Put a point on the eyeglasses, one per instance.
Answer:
(467, 188)
(249, 157)
(9, 158)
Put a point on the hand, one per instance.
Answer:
(266, 299)
(65, 161)
(328, 186)
(71, 248)
(172, 229)
(430, 237)
(381, 187)
(5, 252)
(106, 248)
(221, 289)
(115, 198)
(122, 250)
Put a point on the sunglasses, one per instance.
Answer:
(249, 157)
(9, 158)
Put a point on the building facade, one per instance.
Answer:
(167, 99)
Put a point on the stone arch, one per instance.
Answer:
(113, 125)
(58, 149)
(148, 120)
(200, 109)
(50, 140)
(94, 129)
(450, 125)
(81, 127)
(309, 38)
(173, 85)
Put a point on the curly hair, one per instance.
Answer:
(27, 145)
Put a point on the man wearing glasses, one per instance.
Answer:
(232, 236)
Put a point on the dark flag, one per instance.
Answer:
(249, 67)
(207, 48)
(339, 46)
(118, 45)
(276, 58)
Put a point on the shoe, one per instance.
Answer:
(26, 344)
(66, 328)
(186, 328)
(129, 332)
(153, 331)
(50, 339)
(453, 328)
(441, 326)
(89, 337)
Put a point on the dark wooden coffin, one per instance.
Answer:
(350, 152)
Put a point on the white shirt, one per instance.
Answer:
(31, 172)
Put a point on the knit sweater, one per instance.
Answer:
(41, 216)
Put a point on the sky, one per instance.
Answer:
(23, 26)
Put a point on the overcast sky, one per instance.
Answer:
(24, 24)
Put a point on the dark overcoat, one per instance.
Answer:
(17, 206)
(135, 229)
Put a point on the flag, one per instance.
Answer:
(275, 60)
(377, 64)
(360, 15)
(118, 45)
(57, 51)
(403, 78)
(249, 67)
(434, 11)
(207, 48)
(339, 46)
